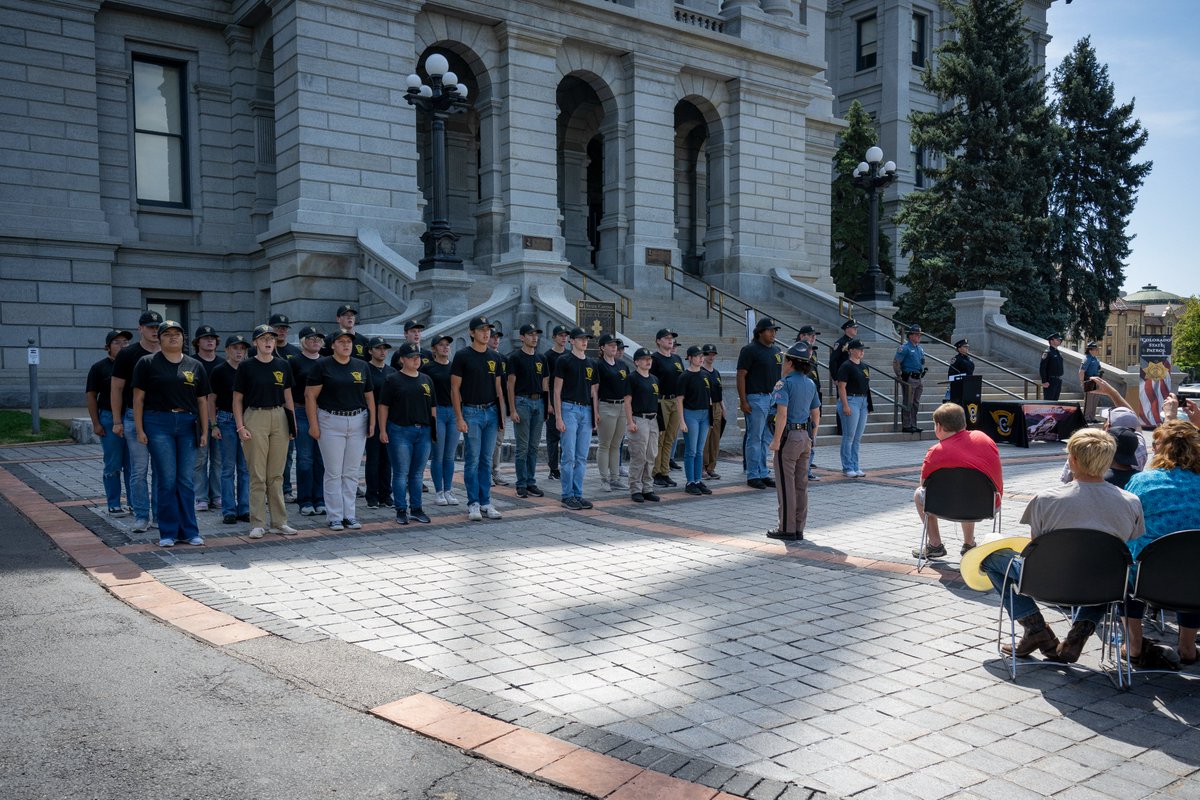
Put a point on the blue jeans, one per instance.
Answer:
(310, 469)
(441, 462)
(141, 499)
(408, 450)
(758, 436)
(233, 464)
(574, 443)
(115, 458)
(852, 431)
(172, 445)
(529, 434)
(477, 453)
(693, 448)
(1019, 606)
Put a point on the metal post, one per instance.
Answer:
(34, 410)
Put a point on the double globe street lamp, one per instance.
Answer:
(873, 176)
(438, 99)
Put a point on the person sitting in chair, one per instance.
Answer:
(1086, 502)
(956, 447)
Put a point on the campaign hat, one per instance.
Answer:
(970, 566)
(800, 351)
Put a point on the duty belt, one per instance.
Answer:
(797, 426)
(910, 374)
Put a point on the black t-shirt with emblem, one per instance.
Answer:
(613, 380)
(667, 369)
(715, 389)
(359, 350)
(763, 365)
(694, 388)
(263, 385)
(99, 380)
(344, 387)
(127, 359)
(478, 372)
(209, 366)
(856, 377)
(169, 385)
(302, 366)
(577, 376)
(221, 385)
(439, 373)
(529, 370)
(409, 400)
(643, 393)
(379, 376)
(426, 359)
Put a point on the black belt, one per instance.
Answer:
(854, 395)
(910, 374)
(646, 416)
(263, 408)
(573, 403)
(613, 402)
(530, 396)
(484, 405)
(667, 397)
(340, 413)
(797, 426)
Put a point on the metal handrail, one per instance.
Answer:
(712, 301)
(624, 303)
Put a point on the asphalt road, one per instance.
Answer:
(98, 700)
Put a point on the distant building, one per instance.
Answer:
(1146, 312)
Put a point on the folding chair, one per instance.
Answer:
(1075, 567)
(958, 494)
(1166, 577)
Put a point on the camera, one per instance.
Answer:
(1089, 385)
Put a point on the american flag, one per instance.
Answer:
(1154, 388)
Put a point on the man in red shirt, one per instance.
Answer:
(956, 447)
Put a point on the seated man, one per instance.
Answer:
(956, 447)
(1086, 502)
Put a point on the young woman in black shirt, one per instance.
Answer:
(407, 416)
(441, 461)
(694, 404)
(310, 469)
(340, 400)
(379, 468)
(854, 402)
(99, 403)
(170, 413)
(262, 409)
(235, 475)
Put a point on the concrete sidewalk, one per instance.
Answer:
(678, 638)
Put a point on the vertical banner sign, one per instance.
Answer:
(1155, 370)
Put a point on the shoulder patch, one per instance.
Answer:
(778, 386)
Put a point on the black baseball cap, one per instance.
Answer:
(445, 337)
(262, 330)
(641, 353)
(150, 318)
(527, 328)
(559, 329)
(280, 321)
(709, 348)
(115, 334)
(1127, 442)
(800, 351)
(766, 324)
(340, 333)
(849, 324)
(579, 333)
(346, 308)
(620, 344)
(497, 332)
(167, 325)
(665, 332)
(961, 343)
(856, 344)
(407, 350)
(236, 339)
(206, 330)
(310, 330)
(807, 329)
(377, 341)
(694, 350)
(480, 322)
(606, 338)
(413, 324)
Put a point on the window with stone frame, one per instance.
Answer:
(160, 131)
(920, 28)
(868, 43)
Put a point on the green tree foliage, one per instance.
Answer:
(984, 224)
(850, 208)
(1095, 189)
(1185, 344)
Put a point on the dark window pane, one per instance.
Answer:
(867, 43)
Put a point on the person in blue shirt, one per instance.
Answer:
(797, 411)
(1090, 368)
(909, 367)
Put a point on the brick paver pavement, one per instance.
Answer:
(685, 637)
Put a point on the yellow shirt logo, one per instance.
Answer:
(654, 386)
(589, 373)
(621, 373)
(539, 368)
(189, 377)
(779, 358)
(425, 388)
(357, 377)
(679, 366)
(491, 367)
(278, 378)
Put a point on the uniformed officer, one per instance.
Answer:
(840, 352)
(808, 334)
(758, 370)
(961, 366)
(1090, 368)
(1051, 368)
(797, 411)
(909, 366)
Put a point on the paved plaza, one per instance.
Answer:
(677, 637)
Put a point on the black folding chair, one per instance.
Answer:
(958, 494)
(1075, 567)
(1166, 576)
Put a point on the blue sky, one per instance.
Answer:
(1150, 49)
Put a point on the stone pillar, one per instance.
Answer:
(877, 314)
(614, 226)
(972, 310)
(778, 8)
(489, 216)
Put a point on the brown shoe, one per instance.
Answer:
(1071, 648)
(1038, 636)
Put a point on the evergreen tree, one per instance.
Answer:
(984, 223)
(1095, 189)
(850, 208)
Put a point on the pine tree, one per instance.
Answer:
(1095, 189)
(850, 208)
(984, 223)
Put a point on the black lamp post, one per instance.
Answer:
(443, 96)
(872, 176)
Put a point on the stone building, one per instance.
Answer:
(221, 160)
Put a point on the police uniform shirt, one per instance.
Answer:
(170, 386)
(99, 380)
(763, 366)
(798, 392)
(1091, 366)
(409, 399)
(359, 350)
(715, 389)
(344, 387)
(263, 385)
(221, 386)
(1052, 364)
(440, 375)
(127, 359)
(856, 377)
(478, 372)
(911, 357)
(961, 365)
(667, 369)
(613, 380)
(643, 393)
(577, 376)
(302, 367)
(693, 387)
(529, 370)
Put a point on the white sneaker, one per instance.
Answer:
(605, 483)
(256, 533)
(860, 474)
(450, 498)
(201, 505)
(473, 512)
(491, 512)
(619, 485)
(286, 530)
(441, 499)
(290, 497)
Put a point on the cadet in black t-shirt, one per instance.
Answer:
(559, 346)
(759, 367)
(474, 393)
(379, 467)
(98, 391)
(526, 382)
(407, 419)
(310, 469)
(695, 407)
(441, 459)
(612, 389)
(667, 368)
(575, 404)
(121, 399)
(712, 445)
(854, 402)
(643, 432)
(235, 474)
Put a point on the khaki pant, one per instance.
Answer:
(643, 448)
(791, 486)
(666, 437)
(712, 446)
(608, 437)
(266, 454)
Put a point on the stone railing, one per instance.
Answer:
(384, 271)
(703, 21)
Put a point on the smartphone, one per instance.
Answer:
(1089, 384)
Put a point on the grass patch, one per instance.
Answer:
(16, 427)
